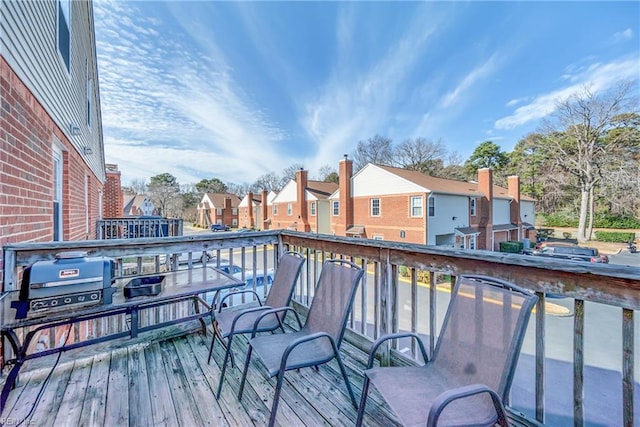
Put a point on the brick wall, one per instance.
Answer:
(26, 166)
(394, 218)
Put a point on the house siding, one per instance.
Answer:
(447, 207)
(39, 99)
(28, 44)
(501, 212)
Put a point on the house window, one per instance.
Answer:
(275, 209)
(336, 208)
(86, 204)
(219, 211)
(234, 211)
(57, 194)
(472, 206)
(416, 206)
(313, 208)
(378, 237)
(472, 242)
(432, 206)
(289, 209)
(234, 222)
(64, 32)
(375, 207)
(89, 96)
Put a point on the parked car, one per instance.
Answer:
(571, 252)
(220, 227)
(236, 271)
(197, 257)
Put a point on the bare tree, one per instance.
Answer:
(289, 173)
(421, 155)
(137, 186)
(269, 182)
(577, 145)
(164, 190)
(376, 150)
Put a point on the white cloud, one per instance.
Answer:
(469, 81)
(171, 105)
(623, 36)
(356, 104)
(598, 76)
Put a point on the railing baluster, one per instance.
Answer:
(432, 312)
(627, 367)
(540, 356)
(414, 309)
(363, 299)
(578, 363)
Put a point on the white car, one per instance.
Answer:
(236, 271)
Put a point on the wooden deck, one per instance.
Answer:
(168, 382)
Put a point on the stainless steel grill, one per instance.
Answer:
(71, 279)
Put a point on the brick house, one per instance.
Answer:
(388, 203)
(112, 197)
(51, 145)
(218, 208)
(303, 205)
(250, 211)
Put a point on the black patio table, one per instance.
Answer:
(182, 285)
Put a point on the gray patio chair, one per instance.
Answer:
(472, 367)
(318, 341)
(240, 319)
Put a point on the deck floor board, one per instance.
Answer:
(167, 381)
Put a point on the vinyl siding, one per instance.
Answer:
(447, 207)
(29, 45)
(501, 213)
(374, 181)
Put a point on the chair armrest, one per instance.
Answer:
(244, 291)
(273, 311)
(293, 344)
(382, 339)
(449, 396)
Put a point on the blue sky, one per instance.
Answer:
(234, 90)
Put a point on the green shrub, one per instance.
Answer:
(560, 219)
(511, 247)
(403, 270)
(606, 220)
(614, 236)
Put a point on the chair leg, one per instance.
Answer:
(276, 399)
(227, 355)
(346, 380)
(213, 340)
(363, 401)
(244, 372)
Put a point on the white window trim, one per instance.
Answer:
(431, 200)
(68, 22)
(473, 206)
(371, 208)
(58, 189)
(289, 209)
(312, 209)
(411, 199)
(86, 203)
(335, 204)
(377, 237)
(275, 209)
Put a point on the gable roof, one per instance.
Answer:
(217, 199)
(321, 189)
(448, 186)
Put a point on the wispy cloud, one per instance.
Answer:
(476, 75)
(598, 76)
(169, 91)
(622, 36)
(357, 104)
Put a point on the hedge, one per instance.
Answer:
(614, 236)
(511, 247)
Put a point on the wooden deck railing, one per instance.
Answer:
(406, 289)
(137, 227)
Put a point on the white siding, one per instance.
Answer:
(501, 213)
(324, 217)
(374, 181)
(28, 43)
(244, 203)
(447, 207)
(528, 211)
(288, 194)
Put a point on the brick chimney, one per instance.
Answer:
(513, 186)
(112, 198)
(485, 208)
(265, 211)
(345, 219)
(301, 201)
(251, 219)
